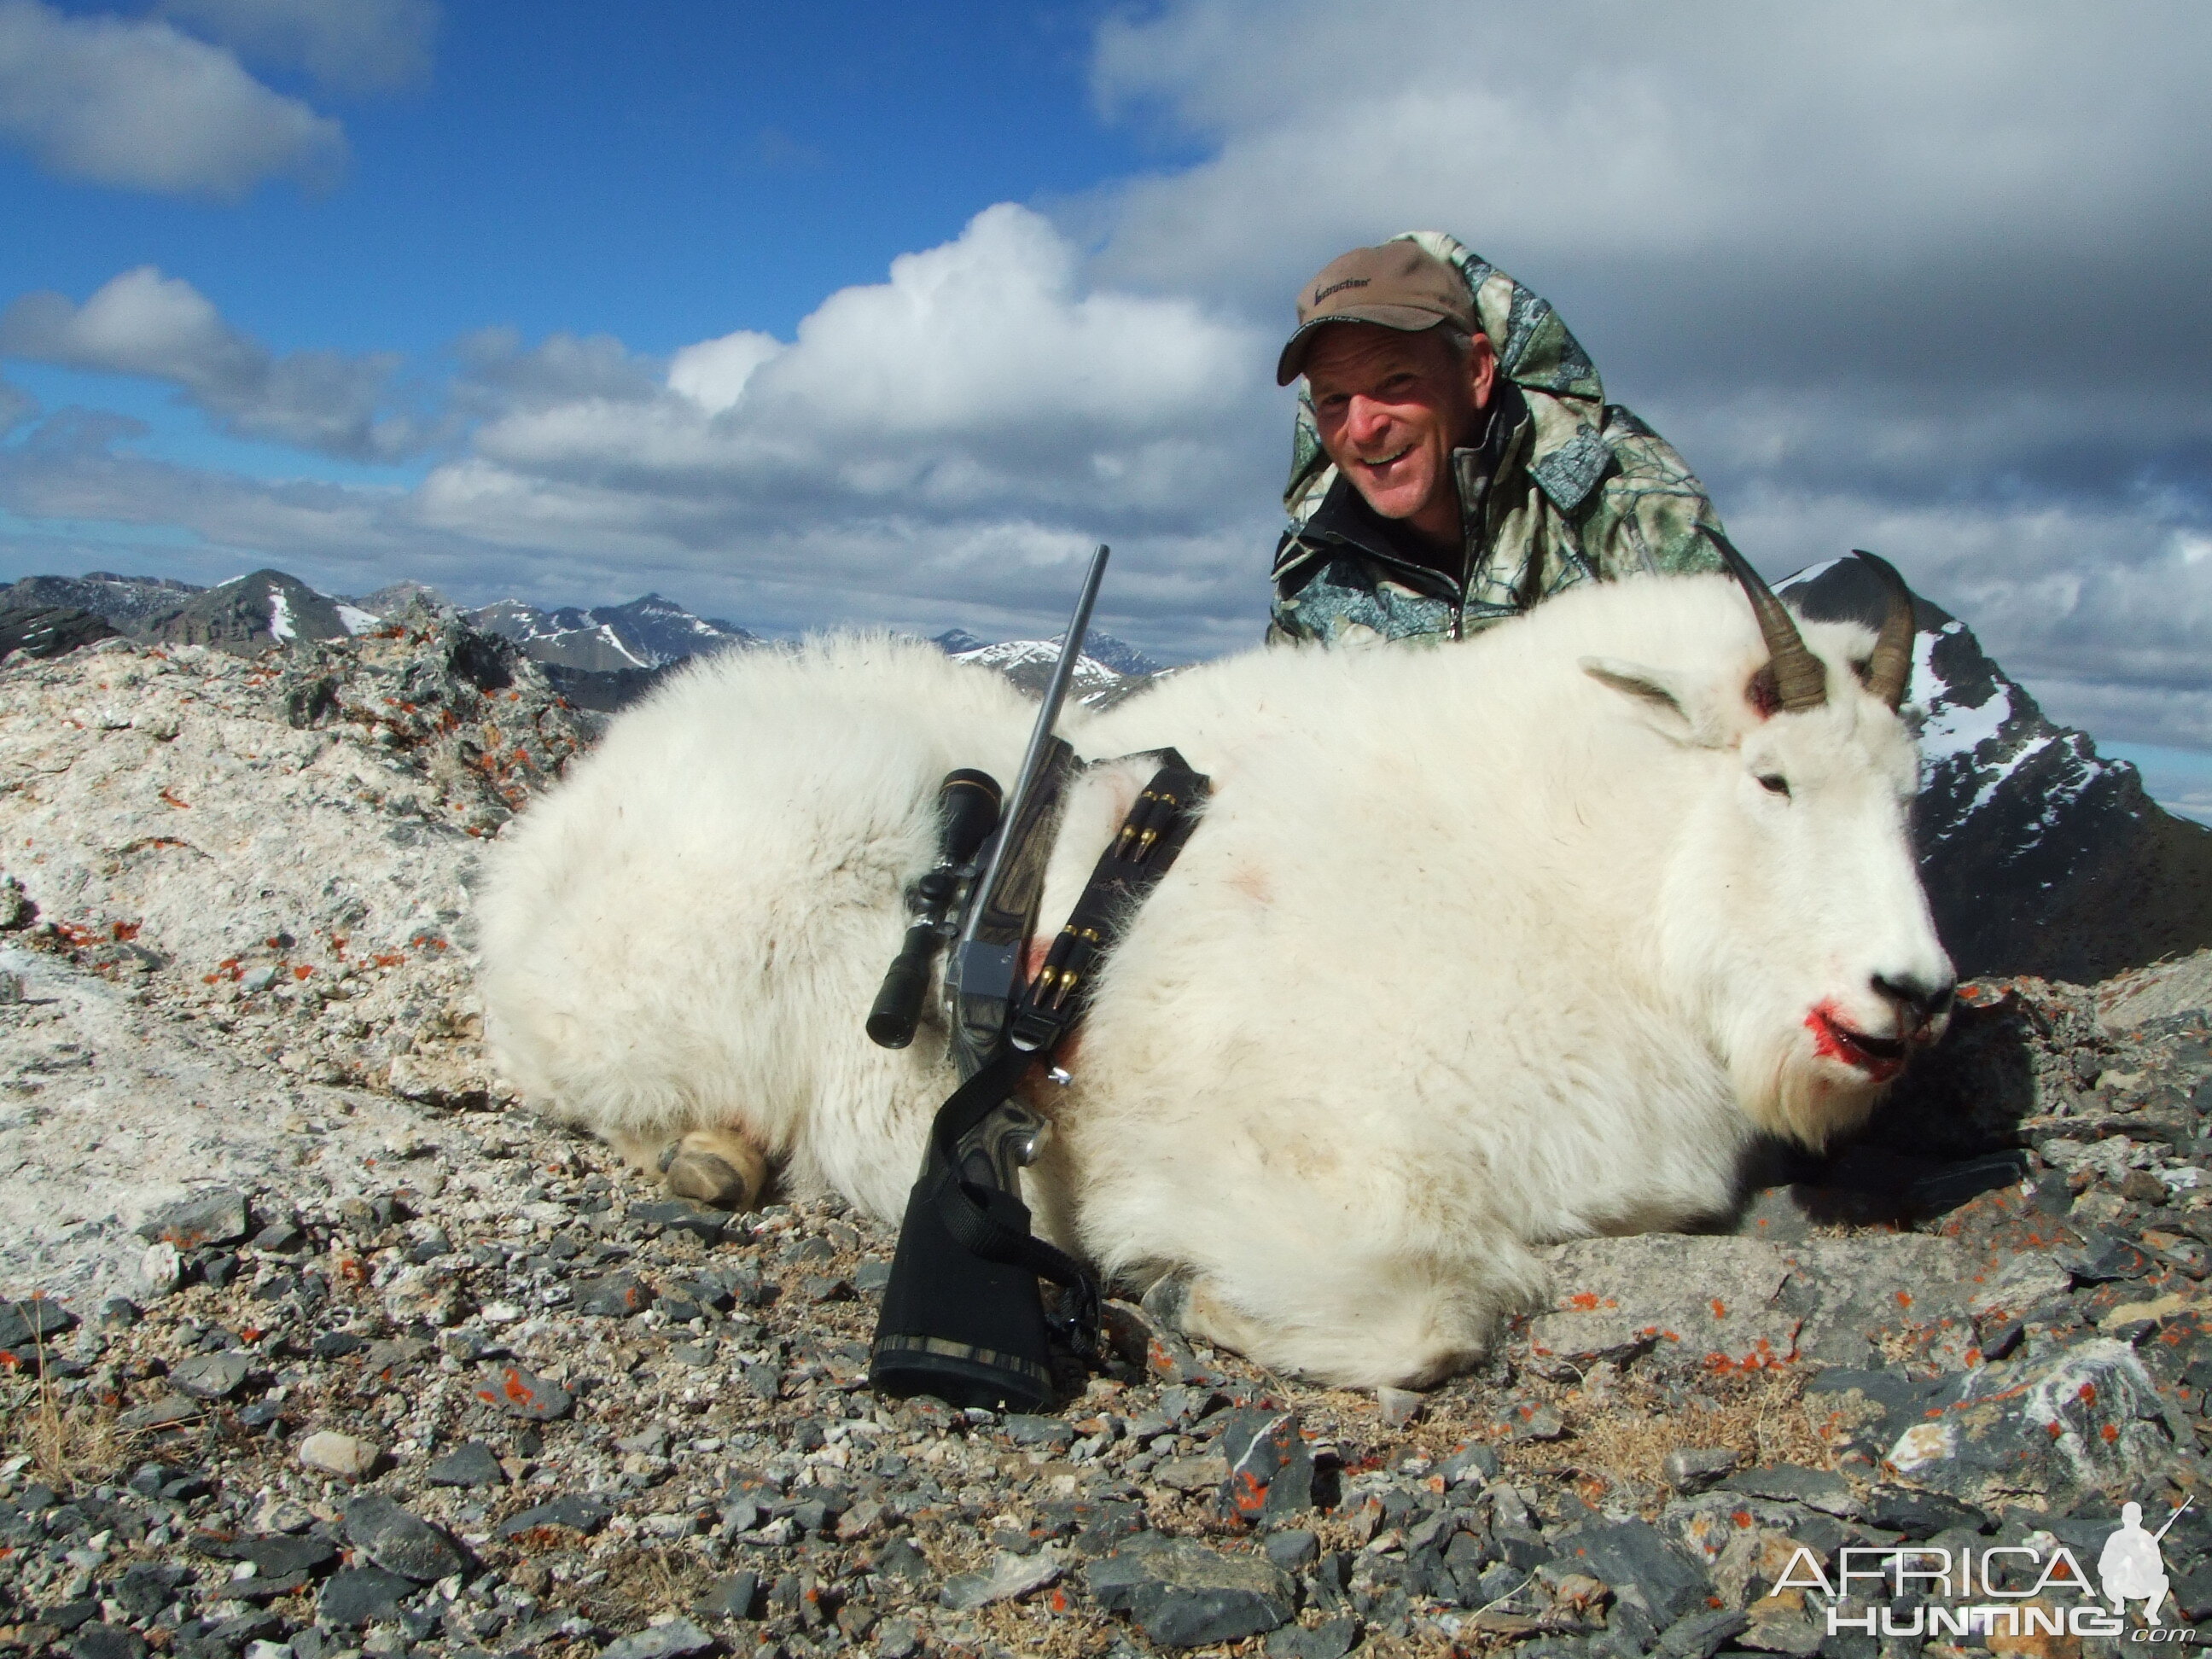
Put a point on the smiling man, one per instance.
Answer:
(1440, 482)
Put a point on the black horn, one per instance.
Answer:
(1889, 671)
(1801, 680)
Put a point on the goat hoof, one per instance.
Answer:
(705, 1178)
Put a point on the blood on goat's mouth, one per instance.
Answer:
(1880, 1058)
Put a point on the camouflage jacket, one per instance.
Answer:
(1563, 488)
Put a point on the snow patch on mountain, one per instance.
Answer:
(649, 632)
(1023, 660)
(1951, 727)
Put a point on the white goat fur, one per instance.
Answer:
(1475, 948)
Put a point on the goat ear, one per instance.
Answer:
(1666, 701)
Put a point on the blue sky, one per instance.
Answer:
(700, 167)
(861, 313)
(664, 177)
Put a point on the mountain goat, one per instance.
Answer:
(1475, 948)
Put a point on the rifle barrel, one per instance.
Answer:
(1040, 739)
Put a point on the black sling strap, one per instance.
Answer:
(1139, 854)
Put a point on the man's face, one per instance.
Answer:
(1391, 407)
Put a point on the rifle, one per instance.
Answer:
(963, 1317)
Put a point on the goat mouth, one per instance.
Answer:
(1880, 1058)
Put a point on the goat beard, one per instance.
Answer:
(1786, 1090)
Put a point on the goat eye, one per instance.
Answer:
(1775, 784)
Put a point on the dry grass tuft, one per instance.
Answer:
(69, 1447)
(1620, 1434)
(1031, 1626)
(642, 1582)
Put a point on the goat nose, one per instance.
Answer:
(1924, 1001)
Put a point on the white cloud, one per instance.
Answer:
(137, 105)
(1600, 129)
(142, 322)
(359, 46)
(983, 377)
(992, 332)
(713, 372)
(954, 438)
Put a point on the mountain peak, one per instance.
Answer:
(650, 632)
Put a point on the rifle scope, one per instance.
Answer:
(967, 803)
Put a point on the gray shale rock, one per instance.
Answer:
(577, 1511)
(677, 1639)
(1641, 1564)
(470, 1465)
(1791, 1483)
(524, 1394)
(1183, 1595)
(1679, 1303)
(399, 1540)
(362, 1596)
(1919, 1515)
(1331, 1639)
(217, 1218)
(33, 1319)
(1685, 1302)
(615, 1296)
(1007, 1577)
(729, 1598)
(211, 1376)
(1270, 1468)
(1694, 1468)
(104, 1641)
(1700, 1635)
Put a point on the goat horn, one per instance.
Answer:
(1889, 671)
(1801, 680)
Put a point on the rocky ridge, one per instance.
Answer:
(317, 1345)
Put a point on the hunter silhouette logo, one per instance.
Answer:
(2130, 1568)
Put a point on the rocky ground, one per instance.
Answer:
(317, 1345)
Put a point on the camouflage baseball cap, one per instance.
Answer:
(1398, 284)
